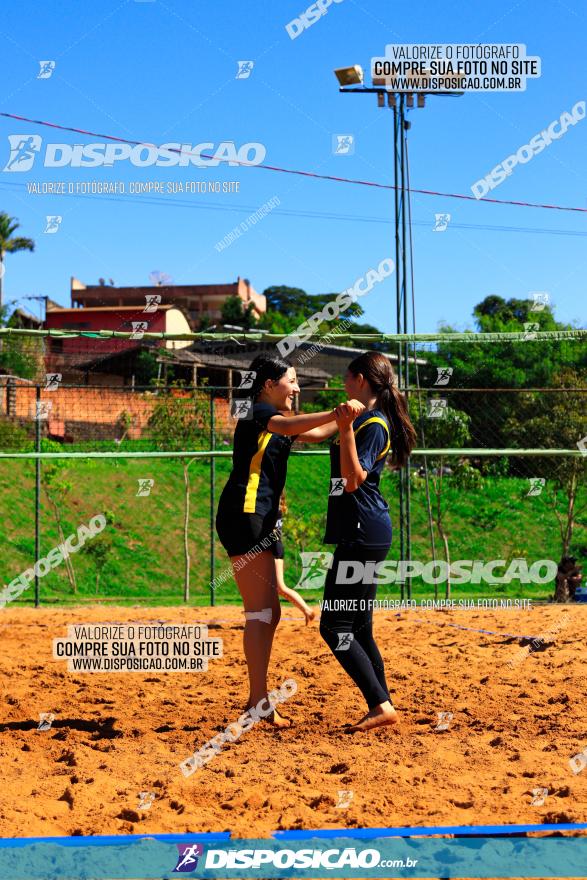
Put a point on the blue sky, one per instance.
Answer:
(165, 71)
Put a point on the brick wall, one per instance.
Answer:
(83, 413)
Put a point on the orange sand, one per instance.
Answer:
(120, 733)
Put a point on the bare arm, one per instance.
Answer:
(318, 434)
(350, 467)
(305, 423)
(288, 425)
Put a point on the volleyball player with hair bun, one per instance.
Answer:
(248, 509)
(358, 523)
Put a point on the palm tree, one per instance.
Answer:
(8, 225)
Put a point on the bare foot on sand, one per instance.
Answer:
(380, 716)
(277, 720)
(274, 718)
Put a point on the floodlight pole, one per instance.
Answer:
(403, 377)
(350, 76)
(406, 470)
(400, 125)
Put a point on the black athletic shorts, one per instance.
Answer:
(278, 549)
(241, 532)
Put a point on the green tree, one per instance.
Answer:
(234, 311)
(19, 355)
(10, 244)
(560, 422)
(293, 301)
(99, 550)
(327, 398)
(449, 429)
(497, 315)
(180, 422)
(288, 307)
(205, 321)
(528, 363)
(146, 367)
(304, 533)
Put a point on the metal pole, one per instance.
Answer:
(212, 502)
(397, 118)
(37, 493)
(396, 201)
(407, 512)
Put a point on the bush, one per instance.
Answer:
(13, 436)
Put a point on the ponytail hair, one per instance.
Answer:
(378, 372)
(266, 366)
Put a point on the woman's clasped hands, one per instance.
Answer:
(347, 412)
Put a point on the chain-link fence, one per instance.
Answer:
(498, 472)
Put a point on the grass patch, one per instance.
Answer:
(146, 562)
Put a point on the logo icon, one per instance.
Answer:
(145, 487)
(337, 485)
(23, 149)
(42, 409)
(537, 484)
(245, 68)
(314, 568)
(138, 329)
(52, 381)
(53, 224)
(247, 379)
(530, 329)
(441, 222)
(345, 641)
(541, 299)
(189, 853)
(444, 374)
(344, 799)
(343, 144)
(47, 68)
(153, 301)
(242, 409)
(444, 719)
(539, 795)
(46, 719)
(436, 408)
(578, 762)
(146, 799)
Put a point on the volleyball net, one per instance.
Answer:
(139, 432)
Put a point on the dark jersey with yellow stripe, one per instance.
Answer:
(259, 465)
(361, 516)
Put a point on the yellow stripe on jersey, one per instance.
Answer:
(368, 422)
(255, 473)
(380, 422)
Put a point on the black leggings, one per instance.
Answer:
(350, 612)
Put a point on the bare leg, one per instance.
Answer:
(292, 595)
(256, 584)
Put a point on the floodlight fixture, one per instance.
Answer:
(349, 76)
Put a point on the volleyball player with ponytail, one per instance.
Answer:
(358, 523)
(248, 509)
